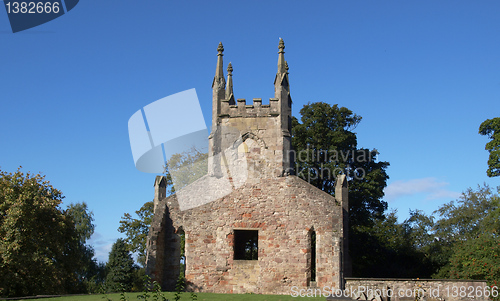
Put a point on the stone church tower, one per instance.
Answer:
(268, 230)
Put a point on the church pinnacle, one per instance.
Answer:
(282, 65)
(229, 87)
(219, 73)
(218, 87)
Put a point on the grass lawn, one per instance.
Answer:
(184, 297)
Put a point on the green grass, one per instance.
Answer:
(184, 297)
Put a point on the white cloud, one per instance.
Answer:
(430, 188)
(102, 246)
(102, 252)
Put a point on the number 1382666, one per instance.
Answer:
(33, 7)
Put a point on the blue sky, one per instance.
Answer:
(422, 74)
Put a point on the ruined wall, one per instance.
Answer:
(408, 289)
(283, 210)
(249, 187)
(163, 248)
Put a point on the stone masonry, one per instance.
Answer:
(300, 231)
(391, 289)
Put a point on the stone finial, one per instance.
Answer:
(281, 46)
(219, 82)
(281, 57)
(229, 87)
(220, 49)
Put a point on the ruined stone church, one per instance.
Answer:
(268, 230)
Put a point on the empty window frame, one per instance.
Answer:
(246, 244)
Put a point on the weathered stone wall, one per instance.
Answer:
(163, 249)
(407, 289)
(262, 143)
(283, 210)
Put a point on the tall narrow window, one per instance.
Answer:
(182, 243)
(246, 244)
(313, 256)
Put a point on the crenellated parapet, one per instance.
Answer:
(256, 109)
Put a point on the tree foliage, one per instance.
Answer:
(326, 145)
(395, 249)
(491, 129)
(82, 219)
(459, 241)
(120, 268)
(468, 233)
(42, 247)
(33, 232)
(88, 271)
(136, 230)
(323, 132)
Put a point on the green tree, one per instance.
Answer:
(395, 248)
(468, 232)
(325, 146)
(472, 214)
(136, 230)
(421, 233)
(82, 219)
(88, 271)
(476, 258)
(96, 278)
(391, 254)
(38, 241)
(491, 129)
(462, 243)
(120, 268)
(322, 136)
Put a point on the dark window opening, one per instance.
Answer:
(246, 244)
(182, 243)
(313, 256)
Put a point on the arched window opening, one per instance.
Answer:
(313, 255)
(182, 259)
